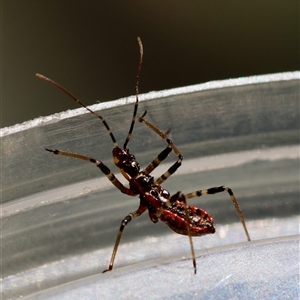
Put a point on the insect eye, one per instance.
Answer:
(165, 194)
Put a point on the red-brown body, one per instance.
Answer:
(162, 207)
(172, 210)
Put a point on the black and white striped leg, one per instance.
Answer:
(125, 221)
(170, 171)
(163, 155)
(103, 168)
(220, 189)
(160, 157)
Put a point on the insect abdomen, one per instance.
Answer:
(200, 221)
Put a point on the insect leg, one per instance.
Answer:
(220, 189)
(163, 155)
(182, 198)
(104, 169)
(160, 157)
(125, 221)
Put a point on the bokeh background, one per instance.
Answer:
(90, 47)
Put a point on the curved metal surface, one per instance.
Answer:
(60, 216)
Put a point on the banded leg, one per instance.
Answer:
(169, 172)
(156, 162)
(163, 155)
(125, 221)
(220, 189)
(103, 168)
(181, 197)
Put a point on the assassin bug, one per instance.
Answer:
(170, 209)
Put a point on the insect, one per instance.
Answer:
(161, 205)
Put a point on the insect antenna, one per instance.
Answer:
(136, 93)
(80, 103)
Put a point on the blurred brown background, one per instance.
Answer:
(90, 47)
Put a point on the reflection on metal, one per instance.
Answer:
(243, 135)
